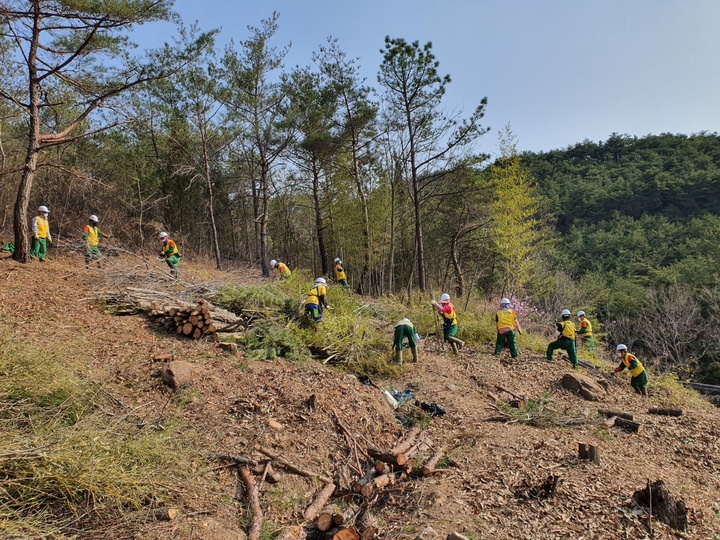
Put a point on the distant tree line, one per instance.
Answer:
(243, 160)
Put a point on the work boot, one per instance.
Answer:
(414, 352)
(454, 347)
(398, 357)
(459, 343)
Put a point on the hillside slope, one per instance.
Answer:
(234, 405)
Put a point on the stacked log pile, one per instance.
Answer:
(191, 321)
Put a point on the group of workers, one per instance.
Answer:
(91, 234)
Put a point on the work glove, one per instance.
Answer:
(37, 238)
(49, 240)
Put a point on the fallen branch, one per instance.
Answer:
(429, 467)
(665, 412)
(408, 442)
(609, 414)
(291, 467)
(315, 508)
(257, 516)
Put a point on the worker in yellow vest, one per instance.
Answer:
(283, 272)
(585, 333)
(638, 379)
(170, 254)
(316, 300)
(340, 276)
(507, 324)
(41, 235)
(91, 235)
(566, 339)
(450, 323)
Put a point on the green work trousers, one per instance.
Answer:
(566, 344)
(38, 249)
(506, 339)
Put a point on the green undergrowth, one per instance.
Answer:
(672, 392)
(69, 452)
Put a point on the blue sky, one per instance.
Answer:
(558, 71)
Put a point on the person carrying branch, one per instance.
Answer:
(283, 272)
(566, 339)
(91, 235)
(340, 276)
(450, 324)
(170, 253)
(41, 235)
(404, 329)
(586, 332)
(638, 375)
(316, 301)
(507, 324)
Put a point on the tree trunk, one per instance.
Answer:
(22, 244)
(363, 286)
(319, 225)
(265, 179)
(202, 125)
(460, 288)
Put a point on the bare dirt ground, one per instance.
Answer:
(235, 404)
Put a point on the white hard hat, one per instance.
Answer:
(163, 235)
(581, 314)
(94, 218)
(273, 263)
(621, 347)
(321, 281)
(337, 260)
(444, 297)
(44, 209)
(504, 301)
(565, 312)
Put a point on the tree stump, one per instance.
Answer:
(671, 512)
(589, 452)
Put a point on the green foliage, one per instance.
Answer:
(268, 341)
(238, 298)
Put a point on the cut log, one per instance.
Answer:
(315, 508)
(608, 413)
(408, 442)
(254, 499)
(345, 534)
(665, 412)
(187, 329)
(364, 484)
(369, 532)
(429, 467)
(324, 521)
(589, 452)
(396, 460)
(628, 425)
(385, 480)
(338, 519)
(382, 468)
(197, 334)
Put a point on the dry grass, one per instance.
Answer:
(69, 454)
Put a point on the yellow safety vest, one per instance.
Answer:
(283, 270)
(588, 328)
(568, 329)
(452, 315)
(93, 235)
(506, 319)
(43, 227)
(314, 295)
(627, 360)
(339, 272)
(170, 249)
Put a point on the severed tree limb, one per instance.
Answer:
(250, 489)
(513, 394)
(236, 459)
(429, 467)
(407, 443)
(610, 414)
(316, 507)
(289, 466)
